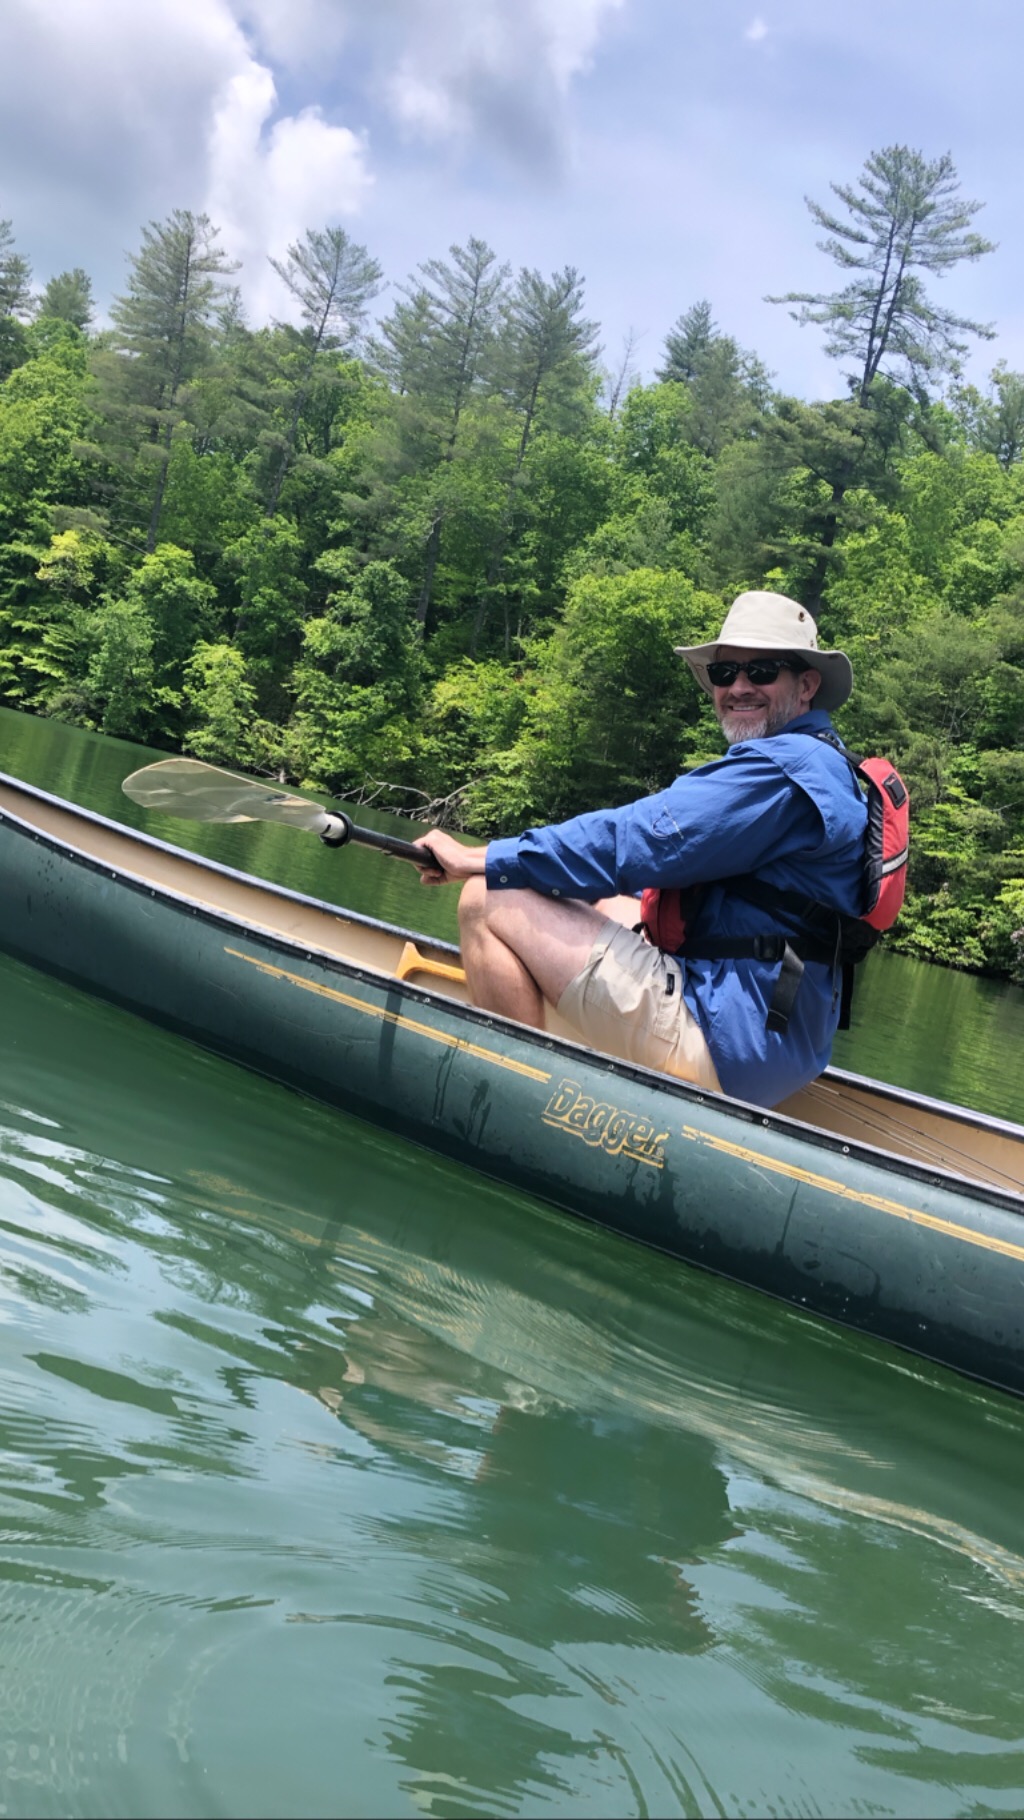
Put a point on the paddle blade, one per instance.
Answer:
(202, 793)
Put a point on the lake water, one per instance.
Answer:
(337, 1480)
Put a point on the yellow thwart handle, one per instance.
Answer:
(412, 961)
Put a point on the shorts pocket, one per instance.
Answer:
(668, 1002)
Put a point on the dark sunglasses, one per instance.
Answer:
(759, 670)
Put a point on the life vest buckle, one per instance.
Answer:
(770, 948)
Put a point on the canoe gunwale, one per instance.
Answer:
(923, 1102)
(250, 879)
(743, 1112)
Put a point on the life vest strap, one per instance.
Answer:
(828, 937)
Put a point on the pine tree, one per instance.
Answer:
(687, 343)
(436, 347)
(15, 301)
(334, 281)
(904, 217)
(15, 276)
(68, 298)
(547, 354)
(163, 336)
(727, 389)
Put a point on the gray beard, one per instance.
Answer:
(774, 718)
(735, 732)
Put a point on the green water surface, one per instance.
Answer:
(336, 1480)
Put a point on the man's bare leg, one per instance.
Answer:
(520, 949)
(624, 910)
(498, 980)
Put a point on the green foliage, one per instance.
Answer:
(68, 298)
(120, 691)
(333, 280)
(15, 276)
(15, 302)
(473, 717)
(357, 685)
(163, 337)
(1003, 931)
(726, 390)
(656, 443)
(43, 414)
(220, 703)
(268, 560)
(610, 712)
(436, 564)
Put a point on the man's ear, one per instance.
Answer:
(810, 683)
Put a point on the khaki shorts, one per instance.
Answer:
(628, 1001)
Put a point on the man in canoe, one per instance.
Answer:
(551, 916)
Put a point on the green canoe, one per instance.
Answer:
(893, 1214)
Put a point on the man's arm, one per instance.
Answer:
(730, 816)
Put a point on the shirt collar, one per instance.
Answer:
(816, 720)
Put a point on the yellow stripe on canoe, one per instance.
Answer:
(394, 1017)
(916, 1216)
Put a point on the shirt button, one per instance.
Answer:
(503, 880)
(554, 893)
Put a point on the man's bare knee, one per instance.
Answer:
(472, 902)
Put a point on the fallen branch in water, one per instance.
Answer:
(439, 811)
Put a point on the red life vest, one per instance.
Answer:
(828, 934)
(888, 840)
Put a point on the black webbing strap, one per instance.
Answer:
(846, 999)
(769, 948)
(786, 988)
(825, 940)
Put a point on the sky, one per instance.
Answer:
(664, 148)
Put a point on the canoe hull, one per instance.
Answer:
(917, 1259)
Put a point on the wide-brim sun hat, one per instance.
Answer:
(759, 621)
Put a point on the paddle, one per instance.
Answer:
(202, 793)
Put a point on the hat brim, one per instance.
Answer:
(834, 668)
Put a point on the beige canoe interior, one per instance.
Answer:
(966, 1144)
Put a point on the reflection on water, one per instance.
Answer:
(333, 1479)
(89, 768)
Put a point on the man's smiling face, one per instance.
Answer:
(747, 710)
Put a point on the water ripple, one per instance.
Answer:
(335, 1479)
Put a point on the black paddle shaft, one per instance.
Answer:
(342, 829)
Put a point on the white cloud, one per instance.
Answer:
(492, 70)
(498, 74)
(266, 186)
(297, 34)
(112, 114)
(756, 31)
(112, 88)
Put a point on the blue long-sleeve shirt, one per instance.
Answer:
(787, 808)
